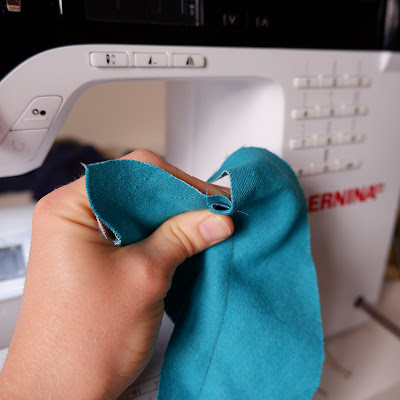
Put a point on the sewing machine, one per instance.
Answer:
(321, 90)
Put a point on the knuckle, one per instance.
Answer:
(44, 218)
(46, 206)
(146, 156)
(184, 245)
(67, 202)
(53, 204)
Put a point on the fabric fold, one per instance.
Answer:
(246, 311)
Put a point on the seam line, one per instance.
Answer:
(222, 319)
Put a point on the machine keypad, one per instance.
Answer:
(337, 165)
(331, 81)
(334, 106)
(341, 138)
(335, 111)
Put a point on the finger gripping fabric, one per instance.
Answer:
(246, 311)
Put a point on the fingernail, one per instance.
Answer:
(214, 229)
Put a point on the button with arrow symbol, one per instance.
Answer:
(109, 60)
(189, 61)
(151, 60)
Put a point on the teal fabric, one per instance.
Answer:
(246, 311)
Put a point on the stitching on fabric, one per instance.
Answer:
(228, 284)
(242, 212)
(215, 206)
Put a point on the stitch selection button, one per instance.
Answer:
(304, 113)
(325, 112)
(306, 82)
(331, 81)
(300, 82)
(189, 61)
(320, 140)
(303, 171)
(295, 144)
(109, 60)
(360, 109)
(337, 165)
(151, 60)
(365, 81)
(347, 165)
(327, 81)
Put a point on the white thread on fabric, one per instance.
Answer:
(102, 228)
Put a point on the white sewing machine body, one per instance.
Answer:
(332, 115)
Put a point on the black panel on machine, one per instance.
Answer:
(176, 12)
(44, 24)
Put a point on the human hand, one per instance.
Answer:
(91, 311)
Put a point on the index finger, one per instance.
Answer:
(152, 158)
(148, 156)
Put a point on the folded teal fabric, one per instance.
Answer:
(246, 311)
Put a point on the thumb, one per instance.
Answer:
(185, 235)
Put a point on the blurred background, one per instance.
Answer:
(107, 121)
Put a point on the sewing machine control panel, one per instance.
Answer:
(22, 143)
(146, 60)
(39, 114)
(329, 110)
